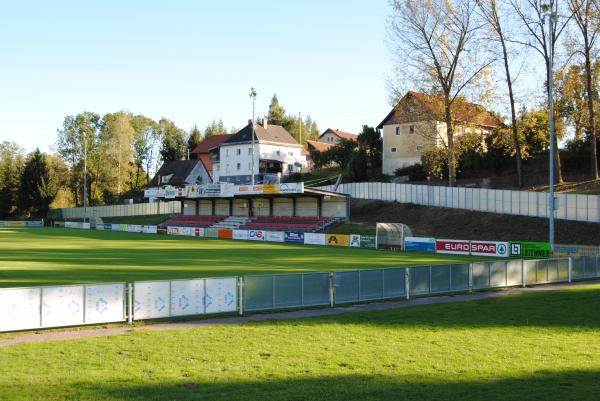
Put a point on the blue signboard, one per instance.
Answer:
(419, 244)
(34, 224)
(293, 237)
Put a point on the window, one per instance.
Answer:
(239, 166)
(278, 153)
(411, 129)
(239, 152)
(397, 130)
(393, 150)
(419, 148)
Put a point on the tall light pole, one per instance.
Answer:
(253, 96)
(552, 16)
(84, 178)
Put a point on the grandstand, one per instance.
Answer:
(276, 207)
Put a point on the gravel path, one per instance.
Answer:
(41, 336)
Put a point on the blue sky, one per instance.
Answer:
(190, 61)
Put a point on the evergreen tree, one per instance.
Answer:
(11, 165)
(36, 190)
(194, 138)
(173, 141)
(276, 112)
(215, 128)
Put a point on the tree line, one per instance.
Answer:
(462, 48)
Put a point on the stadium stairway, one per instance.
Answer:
(232, 222)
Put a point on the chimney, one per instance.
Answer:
(249, 121)
(264, 123)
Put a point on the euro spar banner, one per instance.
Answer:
(293, 237)
(256, 235)
(458, 247)
(489, 248)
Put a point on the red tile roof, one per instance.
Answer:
(210, 143)
(320, 146)
(340, 134)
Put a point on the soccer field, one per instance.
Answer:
(535, 346)
(49, 256)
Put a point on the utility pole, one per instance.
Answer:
(300, 126)
(253, 96)
(552, 207)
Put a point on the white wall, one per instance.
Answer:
(221, 207)
(334, 207)
(240, 207)
(306, 207)
(283, 207)
(261, 207)
(230, 158)
(189, 208)
(205, 208)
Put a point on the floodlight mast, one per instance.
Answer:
(253, 96)
(552, 16)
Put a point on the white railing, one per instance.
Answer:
(136, 209)
(521, 203)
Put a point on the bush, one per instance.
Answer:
(435, 162)
(416, 172)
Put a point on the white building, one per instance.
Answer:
(276, 153)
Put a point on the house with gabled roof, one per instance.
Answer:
(333, 136)
(208, 151)
(417, 123)
(276, 153)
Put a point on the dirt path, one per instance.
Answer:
(39, 337)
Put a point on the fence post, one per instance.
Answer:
(523, 274)
(407, 282)
(331, 290)
(241, 294)
(130, 303)
(470, 277)
(570, 269)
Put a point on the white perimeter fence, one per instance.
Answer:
(522, 203)
(136, 209)
(74, 305)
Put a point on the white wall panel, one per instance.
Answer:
(187, 297)
(221, 295)
(62, 306)
(19, 309)
(151, 299)
(104, 303)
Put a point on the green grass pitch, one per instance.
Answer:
(49, 256)
(536, 346)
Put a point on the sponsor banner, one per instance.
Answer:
(150, 229)
(170, 193)
(240, 234)
(225, 233)
(256, 235)
(198, 232)
(151, 299)
(182, 192)
(19, 308)
(104, 303)
(133, 228)
(489, 248)
(337, 239)
(293, 237)
(211, 232)
(576, 250)
(151, 193)
(368, 241)
(187, 297)
(77, 224)
(187, 231)
(289, 188)
(270, 189)
(530, 250)
(221, 295)
(34, 224)
(458, 247)
(172, 230)
(314, 239)
(420, 244)
(62, 306)
(275, 236)
(355, 241)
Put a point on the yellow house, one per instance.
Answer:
(417, 123)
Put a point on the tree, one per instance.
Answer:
(437, 43)
(312, 131)
(194, 138)
(116, 151)
(342, 152)
(276, 112)
(570, 97)
(146, 145)
(490, 11)
(36, 189)
(11, 165)
(531, 15)
(173, 140)
(79, 136)
(585, 14)
(319, 159)
(357, 168)
(370, 140)
(215, 128)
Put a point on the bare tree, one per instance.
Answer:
(531, 13)
(585, 14)
(437, 41)
(490, 12)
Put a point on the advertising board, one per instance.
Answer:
(293, 237)
(19, 308)
(490, 248)
(256, 235)
(419, 244)
(314, 239)
(240, 234)
(151, 299)
(458, 247)
(225, 233)
(355, 240)
(221, 295)
(104, 303)
(530, 250)
(62, 306)
(187, 297)
(275, 236)
(337, 239)
(368, 241)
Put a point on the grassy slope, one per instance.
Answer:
(66, 256)
(541, 346)
(463, 224)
